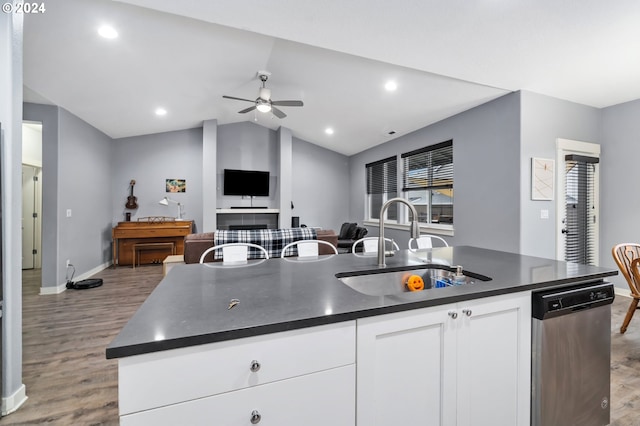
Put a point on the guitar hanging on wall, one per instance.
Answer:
(132, 202)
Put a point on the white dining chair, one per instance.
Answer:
(234, 253)
(426, 241)
(370, 244)
(308, 248)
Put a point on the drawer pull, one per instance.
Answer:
(467, 312)
(255, 417)
(453, 314)
(255, 366)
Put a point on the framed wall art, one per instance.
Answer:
(176, 185)
(542, 178)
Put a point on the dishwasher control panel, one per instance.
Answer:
(560, 301)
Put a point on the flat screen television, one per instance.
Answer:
(246, 182)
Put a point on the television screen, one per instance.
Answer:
(246, 182)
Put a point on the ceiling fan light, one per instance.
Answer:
(263, 107)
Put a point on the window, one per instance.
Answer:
(581, 216)
(382, 185)
(428, 182)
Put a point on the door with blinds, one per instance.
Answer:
(579, 203)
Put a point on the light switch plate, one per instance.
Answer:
(544, 214)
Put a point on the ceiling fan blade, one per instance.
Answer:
(237, 99)
(278, 113)
(247, 110)
(287, 103)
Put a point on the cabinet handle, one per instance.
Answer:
(255, 366)
(467, 312)
(255, 417)
(453, 314)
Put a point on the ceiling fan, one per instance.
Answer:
(263, 102)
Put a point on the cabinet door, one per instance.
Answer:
(406, 368)
(318, 399)
(494, 361)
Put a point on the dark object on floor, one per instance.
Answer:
(85, 284)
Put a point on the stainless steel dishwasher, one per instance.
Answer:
(571, 355)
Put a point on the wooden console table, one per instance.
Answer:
(127, 234)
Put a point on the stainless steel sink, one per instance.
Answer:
(393, 281)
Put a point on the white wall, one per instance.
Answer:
(32, 144)
(13, 391)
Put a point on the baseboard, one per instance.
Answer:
(62, 287)
(15, 401)
(624, 292)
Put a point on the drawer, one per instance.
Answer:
(318, 399)
(168, 377)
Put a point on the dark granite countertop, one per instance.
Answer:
(190, 306)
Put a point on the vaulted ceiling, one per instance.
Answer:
(334, 55)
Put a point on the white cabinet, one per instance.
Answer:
(317, 399)
(459, 364)
(283, 376)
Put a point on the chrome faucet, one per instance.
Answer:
(415, 228)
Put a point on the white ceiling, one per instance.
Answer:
(335, 55)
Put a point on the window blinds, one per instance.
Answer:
(429, 168)
(580, 220)
(382, 176)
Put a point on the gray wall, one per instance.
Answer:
(619, 202)
(247, 146)
(545, 119)
(320, 186)
(76, 175)
(84, 187)
(150, 160)
(486, 152)
(48, 116)
(11, 146)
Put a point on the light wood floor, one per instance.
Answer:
(68, 379)
(70, 382)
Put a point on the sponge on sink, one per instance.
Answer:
(415, 283)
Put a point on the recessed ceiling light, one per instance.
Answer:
(390, 86)
(328, 131)
(107, 31)
(161, 111)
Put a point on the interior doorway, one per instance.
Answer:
(578, 202)
(31, 195)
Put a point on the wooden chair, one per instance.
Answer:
(426, 241)
(229, 250)
(370, 247)
(308, 248)
(627, 257)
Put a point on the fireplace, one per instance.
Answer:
(247, 227)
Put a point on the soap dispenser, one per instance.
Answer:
(459, 278)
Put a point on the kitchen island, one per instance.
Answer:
(299, 343)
